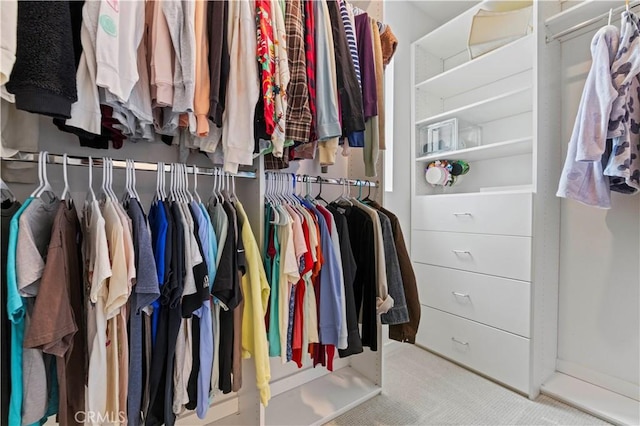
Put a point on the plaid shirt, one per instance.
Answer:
(275, 163)
(298, 120)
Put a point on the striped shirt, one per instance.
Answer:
(351, 38)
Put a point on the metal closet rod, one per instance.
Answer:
(592, 21)
(330, 181)
(73, 160)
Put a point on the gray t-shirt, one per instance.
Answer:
(33, 240)
(34, 235)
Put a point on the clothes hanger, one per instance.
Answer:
(91, 196)
(180, 183)
(195, 185)
(114, 197)
(65, 191)
(46, 189)
(343, 196)
(133, 180)
(158, 195)
(172, 194)
(319, 196)
(40, 182)
(128, 192)
(291, 189)
(186, 183)
(163, 181)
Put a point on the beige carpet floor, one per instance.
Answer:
(421, 388)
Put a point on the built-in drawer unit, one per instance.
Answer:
(500, 255)
(500, 355)
(499, 302)
(503, 214)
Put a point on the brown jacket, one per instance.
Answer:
(404, 332)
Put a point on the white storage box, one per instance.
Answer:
(493, 29)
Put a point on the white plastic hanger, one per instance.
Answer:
(163, 181)
(66, 180)
(182, 183)
(195, 185)
(344, 196)
(185, 174)
(133, 179)
(610, 14)
(114, 197)
(40, 182)
(158, 196)
(172, 187)
(109, 187)
(47, 186)
(91, 196)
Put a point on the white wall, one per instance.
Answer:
(599, 306)
(408, 24)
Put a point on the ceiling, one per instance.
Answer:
(442, 11)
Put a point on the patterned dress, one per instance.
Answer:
(623, 165)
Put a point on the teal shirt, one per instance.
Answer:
(213, 247)
(274, 319)
(16, 310)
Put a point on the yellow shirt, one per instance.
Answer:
(255, 289)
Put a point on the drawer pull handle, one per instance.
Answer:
(463, 214)
(458, 294)
(462, 252)
(453, 339)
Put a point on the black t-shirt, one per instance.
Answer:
(349, 269)
(364, 285)
(8, 210)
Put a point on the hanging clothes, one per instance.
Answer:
(582, 176)
(623, 166)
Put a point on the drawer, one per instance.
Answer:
(494, 301)
(500, 255)
(503, 214)
(492, 352)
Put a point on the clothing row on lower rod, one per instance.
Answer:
(331, 266)
(116, 318)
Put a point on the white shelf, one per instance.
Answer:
(595, 400)
(321, 400)
(508, 60)
(451, 38)
(501, 106)
(586, 11)
(483, 152)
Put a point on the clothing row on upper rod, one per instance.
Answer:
(604, 154)
(331, 266)
(232, 79)
(129, 318)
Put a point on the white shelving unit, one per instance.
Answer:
(463, 235)
(495, 108)
(512, 58)
(484, 152)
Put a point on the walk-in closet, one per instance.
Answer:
(320, 212)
